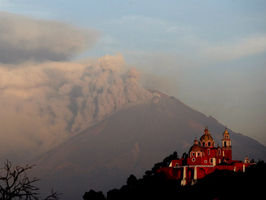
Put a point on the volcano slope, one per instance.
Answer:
(128, 142)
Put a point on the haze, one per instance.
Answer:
(209, 54)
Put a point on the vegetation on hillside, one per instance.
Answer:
(220, 185)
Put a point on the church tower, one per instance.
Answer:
(226, 146)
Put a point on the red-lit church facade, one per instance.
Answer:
(203, 159)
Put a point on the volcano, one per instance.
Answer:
(130, 141)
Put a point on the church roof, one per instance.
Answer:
(207, 136)
(226, 132)
(195, 147)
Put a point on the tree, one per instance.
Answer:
(166, 162)
(93, 195)
(132, 180)
(15, 184)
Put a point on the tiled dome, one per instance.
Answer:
(206, 137)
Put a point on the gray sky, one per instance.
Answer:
(210, 54)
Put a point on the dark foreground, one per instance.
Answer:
(218, 185)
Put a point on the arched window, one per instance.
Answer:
(209, 144)
(224, 143)
(203, 144)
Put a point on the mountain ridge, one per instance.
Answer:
(130, 141)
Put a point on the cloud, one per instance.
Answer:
(23, 39)
(235, 50)
(45, 98)
(43, 104)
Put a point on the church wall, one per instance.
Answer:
(206, 159)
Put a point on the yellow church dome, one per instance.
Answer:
(206, 137)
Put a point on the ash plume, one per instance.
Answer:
(42, 104)
(46, 99)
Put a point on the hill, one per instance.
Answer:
(221, 184)
(130, 141)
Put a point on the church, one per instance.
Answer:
(204, 158)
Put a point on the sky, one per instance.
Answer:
(210, 54)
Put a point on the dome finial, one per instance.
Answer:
(196, 141)
(206, 131)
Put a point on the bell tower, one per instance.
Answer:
(226, 146)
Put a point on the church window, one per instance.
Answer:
(211, 160)
(193, 159)
(219, 151)
(209, 144)
(203, 143)
(208, 151)
(193, 154)
(198, 153)
(224, 143)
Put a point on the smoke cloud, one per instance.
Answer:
(46, 99)
(23, 39)
(43, 104)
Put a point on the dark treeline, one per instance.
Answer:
(218, 185)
